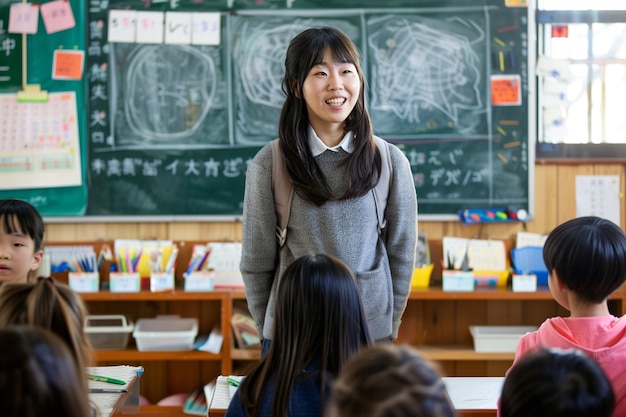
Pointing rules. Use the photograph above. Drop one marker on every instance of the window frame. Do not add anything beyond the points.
(566, 151)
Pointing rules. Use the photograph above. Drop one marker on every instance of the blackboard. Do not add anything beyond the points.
(71, 200)
(171, 128)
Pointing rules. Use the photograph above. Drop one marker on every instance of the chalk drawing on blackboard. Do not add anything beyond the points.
(427, 74)
(169, 95)
(259, 52)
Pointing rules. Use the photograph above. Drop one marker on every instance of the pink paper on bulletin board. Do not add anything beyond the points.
(57, 16)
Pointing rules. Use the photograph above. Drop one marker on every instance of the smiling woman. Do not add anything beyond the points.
(334, 163)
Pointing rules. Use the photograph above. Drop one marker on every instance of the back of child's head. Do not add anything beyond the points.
(556, 383)
(20, 216)
(39, 376)
(318, 312)
(589, 256)
(49, 305)
(389, 380)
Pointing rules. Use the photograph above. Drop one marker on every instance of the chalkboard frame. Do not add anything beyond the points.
(531, 132)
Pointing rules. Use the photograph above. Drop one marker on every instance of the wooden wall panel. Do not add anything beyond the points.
(555, 202)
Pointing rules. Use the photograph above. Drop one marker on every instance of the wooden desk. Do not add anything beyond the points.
(471, 396)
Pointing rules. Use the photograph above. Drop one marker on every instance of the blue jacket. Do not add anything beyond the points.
(305, 400)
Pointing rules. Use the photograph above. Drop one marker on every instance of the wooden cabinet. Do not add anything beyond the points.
(168, 372)
(435, 321)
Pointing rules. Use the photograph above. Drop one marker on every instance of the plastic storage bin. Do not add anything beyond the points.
(165, 333)
(109, 332)
(498, 338)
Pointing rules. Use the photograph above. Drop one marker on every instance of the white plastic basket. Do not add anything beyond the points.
(165, 333)
(110, 332)
(498, 338)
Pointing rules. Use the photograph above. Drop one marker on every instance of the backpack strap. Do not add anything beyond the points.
(283, 188)
(381, 190)
(283, 191)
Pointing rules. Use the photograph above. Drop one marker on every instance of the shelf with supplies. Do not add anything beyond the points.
(437, 323)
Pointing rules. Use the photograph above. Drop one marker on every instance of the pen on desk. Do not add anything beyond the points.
(106, 379)
(232, 382)
(106, 391)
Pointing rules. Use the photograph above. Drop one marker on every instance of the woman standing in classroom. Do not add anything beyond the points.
(334, 163)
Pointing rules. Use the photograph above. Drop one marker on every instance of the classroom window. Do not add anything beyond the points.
(593, 44)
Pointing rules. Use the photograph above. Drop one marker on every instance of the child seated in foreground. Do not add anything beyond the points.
(39, 376)
(21, 240)
(586, 262)
(390, 381)
(556, 383)
(319, 323)
(52, 306)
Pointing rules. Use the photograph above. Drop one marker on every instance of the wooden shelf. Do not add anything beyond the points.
(485, 294)
(462, 353)
(155, 296)
(162, 411)
(136, 355)
(245, 354)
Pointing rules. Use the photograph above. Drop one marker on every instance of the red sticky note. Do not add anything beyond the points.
(67, 64)
(506, 90)
(57, 16)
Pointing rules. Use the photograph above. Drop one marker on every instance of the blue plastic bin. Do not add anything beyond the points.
(529, 260)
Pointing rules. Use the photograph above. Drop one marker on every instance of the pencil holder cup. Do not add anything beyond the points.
(124, 282)
(200, 281)
(421, 277)
(84, 281)
(458, 280)
(161, 281)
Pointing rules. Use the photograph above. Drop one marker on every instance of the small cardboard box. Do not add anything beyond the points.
(458, 280)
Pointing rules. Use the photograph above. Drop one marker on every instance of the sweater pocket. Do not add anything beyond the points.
(376, 291)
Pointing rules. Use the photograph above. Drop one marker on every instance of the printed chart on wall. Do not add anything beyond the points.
(181, 98)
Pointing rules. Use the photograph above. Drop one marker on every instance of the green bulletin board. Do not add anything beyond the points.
(64, 201)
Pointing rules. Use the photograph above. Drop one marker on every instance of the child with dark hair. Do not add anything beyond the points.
(21, 240)
(586, 261)
(319, 323)
(39, 376)
(52, 306)
(556, 383)
(390, 381)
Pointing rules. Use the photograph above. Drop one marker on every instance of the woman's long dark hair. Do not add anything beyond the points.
(318, 319)
(305, 51)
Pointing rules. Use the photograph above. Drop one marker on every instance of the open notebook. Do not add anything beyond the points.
(106, 395)
(223, 392)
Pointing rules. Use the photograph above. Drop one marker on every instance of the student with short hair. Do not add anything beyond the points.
(389, 380)
(52, 306)
(319, 323)
(556, 383)
(21, 240)
(586, 262)
(39, 376)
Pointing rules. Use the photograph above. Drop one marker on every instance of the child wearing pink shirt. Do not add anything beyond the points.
(586, 260)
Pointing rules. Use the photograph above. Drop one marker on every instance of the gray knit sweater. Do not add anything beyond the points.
(347, 229)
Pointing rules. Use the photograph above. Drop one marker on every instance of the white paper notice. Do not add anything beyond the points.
(598, 195)
(150, 27)
(178, 28)
(206, 29)
(122, 25)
